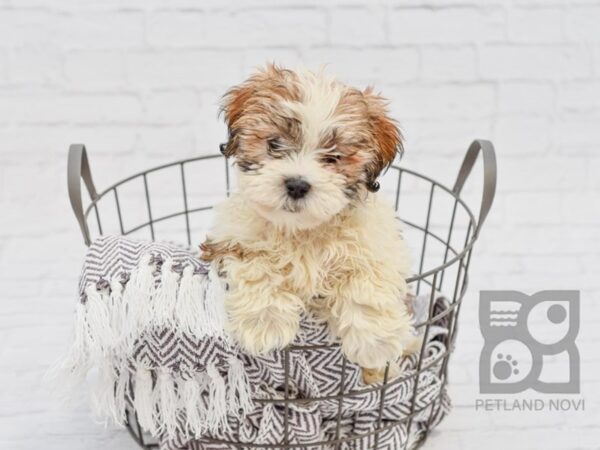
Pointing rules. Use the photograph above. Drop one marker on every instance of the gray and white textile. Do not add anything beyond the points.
(150, 321)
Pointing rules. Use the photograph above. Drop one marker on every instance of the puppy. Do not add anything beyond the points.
(305, 229)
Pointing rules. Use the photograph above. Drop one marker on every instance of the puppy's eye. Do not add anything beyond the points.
(274, 145)
(331, 158)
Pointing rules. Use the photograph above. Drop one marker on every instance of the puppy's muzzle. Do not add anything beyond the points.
(297, 188)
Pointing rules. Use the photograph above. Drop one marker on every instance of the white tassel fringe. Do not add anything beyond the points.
(100, 333)
(214, 304)
(239, 398)
(166, 403)
(217, 400)
(164, 299)
(144, 400)
(103, 395)
(188, 310)
(136, 299)
(116, 313)
(195, 413)
(110, 321)
(121, 393)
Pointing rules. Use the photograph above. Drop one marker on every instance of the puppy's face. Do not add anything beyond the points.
(306, 146)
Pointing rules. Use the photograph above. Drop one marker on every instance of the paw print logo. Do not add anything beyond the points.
(505, 367)
(510, 363)
(520, 332)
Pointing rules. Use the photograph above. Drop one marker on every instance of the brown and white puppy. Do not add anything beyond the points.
(305, 229)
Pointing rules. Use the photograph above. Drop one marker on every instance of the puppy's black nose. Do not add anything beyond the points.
(296, 187)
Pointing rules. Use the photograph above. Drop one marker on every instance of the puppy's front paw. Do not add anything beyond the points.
(261, 328)
(370, 351)
(412, 345)
(260, 336)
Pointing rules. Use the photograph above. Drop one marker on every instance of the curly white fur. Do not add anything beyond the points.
(350, 270)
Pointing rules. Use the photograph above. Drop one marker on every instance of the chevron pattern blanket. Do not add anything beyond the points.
(150, 321)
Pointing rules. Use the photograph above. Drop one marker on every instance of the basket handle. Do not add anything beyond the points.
(78, 168)
(486, 148)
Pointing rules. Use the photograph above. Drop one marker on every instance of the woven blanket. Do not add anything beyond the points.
(150, 323)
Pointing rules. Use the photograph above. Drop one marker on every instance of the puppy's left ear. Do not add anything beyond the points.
(386, 135)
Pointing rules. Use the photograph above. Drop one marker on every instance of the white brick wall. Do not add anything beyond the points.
(139, 80)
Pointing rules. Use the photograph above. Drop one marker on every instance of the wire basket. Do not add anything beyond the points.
(174, 201)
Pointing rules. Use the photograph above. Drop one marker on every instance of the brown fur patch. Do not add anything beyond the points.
(216, 251)
(250, 109)
(385, 132)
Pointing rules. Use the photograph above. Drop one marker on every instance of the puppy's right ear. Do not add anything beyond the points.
(240, 101)
(233, 106)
